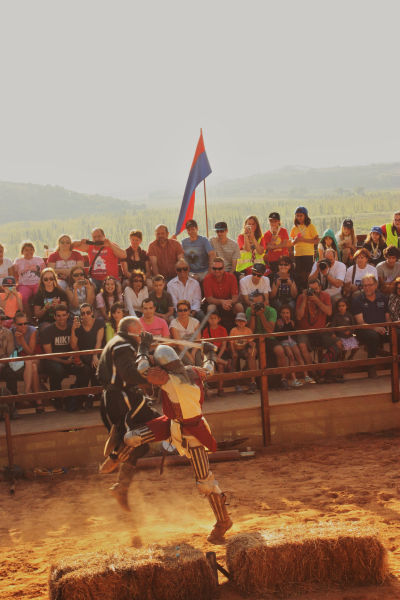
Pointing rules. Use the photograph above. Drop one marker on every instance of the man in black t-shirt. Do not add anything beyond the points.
(371, 306)
(87, 333)
(57, 338)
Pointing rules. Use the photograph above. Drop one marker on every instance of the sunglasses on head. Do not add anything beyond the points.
(217, 268)
(179, 269)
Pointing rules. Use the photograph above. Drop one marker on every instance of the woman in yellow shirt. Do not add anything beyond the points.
(304, 236)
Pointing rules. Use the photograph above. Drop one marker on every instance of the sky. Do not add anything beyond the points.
(109, 96)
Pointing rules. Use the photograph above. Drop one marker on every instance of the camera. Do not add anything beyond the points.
(81, 281)
(310, 292)
(92, 243)
(258, 306)
(323, 265)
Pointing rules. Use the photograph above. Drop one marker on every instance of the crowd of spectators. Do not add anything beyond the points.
(279, 280)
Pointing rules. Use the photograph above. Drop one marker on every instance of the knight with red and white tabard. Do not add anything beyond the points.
(183, 422)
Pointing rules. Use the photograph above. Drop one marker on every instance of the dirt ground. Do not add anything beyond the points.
(350, 480)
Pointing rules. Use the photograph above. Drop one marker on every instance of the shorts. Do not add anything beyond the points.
(316, 340)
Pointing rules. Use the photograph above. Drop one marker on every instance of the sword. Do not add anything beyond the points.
(187, 343)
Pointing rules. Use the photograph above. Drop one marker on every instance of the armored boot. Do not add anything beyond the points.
(120, 489)
(224, 522)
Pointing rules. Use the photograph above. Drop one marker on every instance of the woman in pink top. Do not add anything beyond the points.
(27, 273)
(63, 259)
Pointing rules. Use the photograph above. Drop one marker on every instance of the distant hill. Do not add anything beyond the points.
(301, 181)
(31, 202)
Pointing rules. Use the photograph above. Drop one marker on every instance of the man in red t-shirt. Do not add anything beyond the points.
(275, 241)
(221, 292)
(103, 256)
(164, 253)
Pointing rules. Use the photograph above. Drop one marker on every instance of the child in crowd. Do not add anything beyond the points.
(245, 349)
(304, 236)
(213, 329)
(347, 341)
(328, 241)
(283, 288)
(375, 244)
(162, 299)
(347, 242)
(27, 271)
(285, 322)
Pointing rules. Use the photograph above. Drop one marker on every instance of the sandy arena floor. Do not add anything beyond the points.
(349, 480)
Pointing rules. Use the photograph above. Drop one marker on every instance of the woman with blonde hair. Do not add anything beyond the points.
(63, 259)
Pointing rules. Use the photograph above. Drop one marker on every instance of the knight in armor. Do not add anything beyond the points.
(183, 422)
(124, 404)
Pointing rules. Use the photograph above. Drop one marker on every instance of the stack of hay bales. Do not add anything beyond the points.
(287, 560)
(156, 573)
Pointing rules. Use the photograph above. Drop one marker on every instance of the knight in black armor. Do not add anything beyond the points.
(124, 404)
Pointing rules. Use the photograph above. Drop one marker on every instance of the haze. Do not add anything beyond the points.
(109, 97)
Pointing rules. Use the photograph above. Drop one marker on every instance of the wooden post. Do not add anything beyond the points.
(205, 204)
(395, 364)
(265, 417)
(8, 439)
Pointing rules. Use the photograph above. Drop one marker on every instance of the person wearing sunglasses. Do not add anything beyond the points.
(63, 259)
(255, 281)
(183, 328)
(183, 287)
(135, 292)
(87, 333)
(25, 337)
(10, 299)
(221, 292)
(79, 290)
(46, 299)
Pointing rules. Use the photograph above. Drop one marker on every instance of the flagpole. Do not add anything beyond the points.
(205, 195)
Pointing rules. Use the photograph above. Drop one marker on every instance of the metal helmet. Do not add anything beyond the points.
(164, 355)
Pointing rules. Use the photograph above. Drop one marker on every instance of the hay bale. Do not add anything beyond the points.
(296, 557)
(155, 573)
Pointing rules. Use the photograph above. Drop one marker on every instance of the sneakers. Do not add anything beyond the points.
(252, 388)
(284, 384)
(309, 379)
(295, 383)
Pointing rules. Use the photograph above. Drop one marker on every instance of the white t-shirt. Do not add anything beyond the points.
(7, 264)
(185, 334)
(338, 271)
(360, 273)
(247, 286)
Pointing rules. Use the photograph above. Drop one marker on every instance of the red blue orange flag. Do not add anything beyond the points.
(199, 170)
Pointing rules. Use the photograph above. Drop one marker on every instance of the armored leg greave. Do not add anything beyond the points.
(120, 489)
(138, 437)
(207, 485)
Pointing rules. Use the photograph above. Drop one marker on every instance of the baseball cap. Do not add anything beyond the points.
(375, 229)
(8, 280)
(259, 268)
(301, 209)
(240, 317)
(191, 223)
(275, 215)
(347, 223)
(220, 226)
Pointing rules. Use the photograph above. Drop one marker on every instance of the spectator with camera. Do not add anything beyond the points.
(63, 259)
(355, 273)
(103, 256)
(87, 333)
(79, 290)
(10, 299)
(275, 241)
(330, 273)
(283, 288)
(313, 308)
(57, 338)
(47, 298)
(256, 281)
(183, 287)
(221, 292)
(389, 269)
(164, 253)
(224, 247)
(198, 251)
(371, 306)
